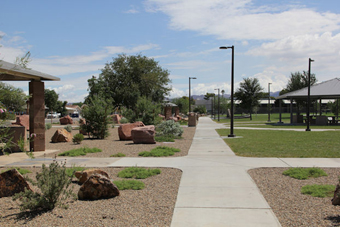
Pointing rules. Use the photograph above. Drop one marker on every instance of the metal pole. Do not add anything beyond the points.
(218, 104)
(214, 108)
(269, 101)
(189, 96)
(308, 97)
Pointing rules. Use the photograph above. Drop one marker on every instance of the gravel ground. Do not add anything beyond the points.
(152, 206)
(112, 145)
(290, 206)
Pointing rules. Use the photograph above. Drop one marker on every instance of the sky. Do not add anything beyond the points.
(73, 40)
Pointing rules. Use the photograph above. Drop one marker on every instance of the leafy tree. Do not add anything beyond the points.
(333, 106)
(183, 104)
(96, 114)
(296, 82)
(51, 98)
(208, 96)
(127, 78)
(61, 107)
(14, 99)
(200, 109)
(249, 93)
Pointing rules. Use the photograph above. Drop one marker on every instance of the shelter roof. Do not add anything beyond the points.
(13, 72)
(329, 89)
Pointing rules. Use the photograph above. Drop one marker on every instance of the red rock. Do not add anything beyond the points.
(97, 187)
(124, 130)
(12, 182)
(61, 135)
(66, 120)
(23, 120)
(85, 175)
(144, 135)
(336, 197)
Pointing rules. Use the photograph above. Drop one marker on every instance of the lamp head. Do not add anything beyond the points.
(192, 78)
(224, 48)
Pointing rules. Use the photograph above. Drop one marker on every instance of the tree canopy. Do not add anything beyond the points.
(51, 98)
(249, 93)
(127, 78)
(14, 99)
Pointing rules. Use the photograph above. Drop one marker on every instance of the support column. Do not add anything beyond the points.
(291, 111)
(37, 115)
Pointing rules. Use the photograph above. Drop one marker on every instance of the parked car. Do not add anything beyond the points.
(75, 114)
(52, 115)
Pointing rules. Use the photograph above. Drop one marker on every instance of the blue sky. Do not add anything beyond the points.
(74, 39)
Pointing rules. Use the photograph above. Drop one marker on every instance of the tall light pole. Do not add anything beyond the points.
(308, 97)
(190, 92)
(218, 103)
(269, 101)
(232, 90)
(214, 108)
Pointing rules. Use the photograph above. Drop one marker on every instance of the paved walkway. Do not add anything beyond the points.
(215, 189)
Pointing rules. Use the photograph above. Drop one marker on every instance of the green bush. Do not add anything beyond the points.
(138, 173)
(169, 127)
(167, 138)
(200, 109)
(68, 128)
(304, 173)
(77, 138)
(48, 126)
(129, 184)
(53, 183)
(316, 190)
(124, 120)
(118, 155)
(80, 151)
(160, 151)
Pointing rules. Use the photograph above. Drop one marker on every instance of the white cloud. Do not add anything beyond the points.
(65, 88)
(229, 19)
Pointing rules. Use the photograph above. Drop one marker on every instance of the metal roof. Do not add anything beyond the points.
(13, 72)
(329, 89)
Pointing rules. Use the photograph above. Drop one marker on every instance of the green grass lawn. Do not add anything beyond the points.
(269, 143)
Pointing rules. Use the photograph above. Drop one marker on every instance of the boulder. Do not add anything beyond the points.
(145, 135)
(85, 175)
(97, 187)
(116, 118)
(175, 119)
(12, 182)
(23, 120)
(66, 120)
(336, 197)
(124, 130)
(61, 135)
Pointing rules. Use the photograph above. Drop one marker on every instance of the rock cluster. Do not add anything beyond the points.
(124, 130)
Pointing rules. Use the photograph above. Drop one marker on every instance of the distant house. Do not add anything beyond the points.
(73, 109)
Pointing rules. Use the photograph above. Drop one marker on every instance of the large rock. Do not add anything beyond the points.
(61, 135)
(23, 120)
(145, 135)
(66, 120)
(336, 197)
(124, 130)
(85, 175)
(12, 182)
(97, 187)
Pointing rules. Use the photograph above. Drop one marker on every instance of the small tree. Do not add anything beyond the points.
(96, 115)
(249, 93)
(200, 109)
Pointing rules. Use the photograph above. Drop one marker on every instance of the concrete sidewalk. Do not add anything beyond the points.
(215, 188)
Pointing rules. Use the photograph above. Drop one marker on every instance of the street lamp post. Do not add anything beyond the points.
(232, 90)
(190, 92)
(214, 108)
(218, 103)
(308, 97)
(269, 101)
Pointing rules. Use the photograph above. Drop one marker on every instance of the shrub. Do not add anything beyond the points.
(160, 151)
(77, 138)
(53, 183)
(124, 120)
(138, 173)
(200, 109)
(129, 184)
(169, 127)
(304, 173)
(80, 151)
(118, 155)
(48, 126)
(96, 115)
(316, 190)
(68, 128)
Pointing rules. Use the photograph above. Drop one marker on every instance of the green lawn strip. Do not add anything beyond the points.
(161, 151)
(269, 143)
(316, 190)
(304, 173)
(287, 126)
(20, 170)
(138, 173)
(70, 171)
(167, 138)
(80, 151)
(118, 155)
(129, 184)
